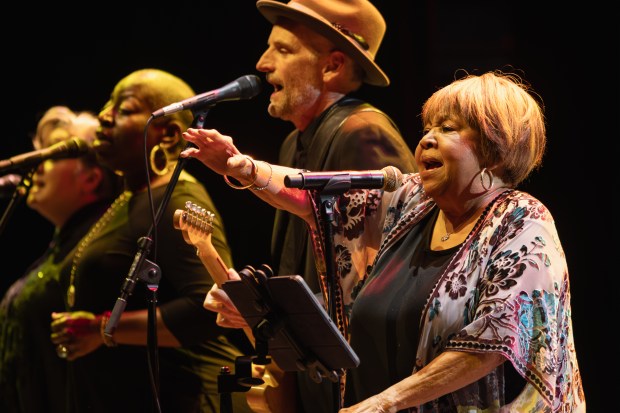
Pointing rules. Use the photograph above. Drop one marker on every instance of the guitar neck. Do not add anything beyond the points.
(219, 272)
(277, 393)
(213, 263)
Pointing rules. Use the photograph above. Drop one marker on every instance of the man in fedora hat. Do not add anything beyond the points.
(319, 52)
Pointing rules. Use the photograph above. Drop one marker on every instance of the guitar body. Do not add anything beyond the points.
(278, 393)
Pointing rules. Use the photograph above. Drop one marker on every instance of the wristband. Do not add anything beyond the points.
(108, 340)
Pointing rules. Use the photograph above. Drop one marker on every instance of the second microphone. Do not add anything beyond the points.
(388, 179)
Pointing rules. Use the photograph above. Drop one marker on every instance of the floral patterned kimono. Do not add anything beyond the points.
(506, 290)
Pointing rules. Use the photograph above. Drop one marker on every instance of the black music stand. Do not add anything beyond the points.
(291, 326)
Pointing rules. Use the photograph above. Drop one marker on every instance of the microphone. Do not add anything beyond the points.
(388, 179)
(72, 148)
(8, 184)
(246, 87)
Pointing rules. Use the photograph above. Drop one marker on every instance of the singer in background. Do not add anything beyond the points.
(112, 374)
(318, 53)
(71, 194)
(457, 283)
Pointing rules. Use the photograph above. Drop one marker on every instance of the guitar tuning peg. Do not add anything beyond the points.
(247, 272)
(267, 270)
(261, 277)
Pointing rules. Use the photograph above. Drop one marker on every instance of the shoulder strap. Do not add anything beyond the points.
(330, 126)
(327, 130)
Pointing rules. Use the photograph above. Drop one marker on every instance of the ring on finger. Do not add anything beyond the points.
(62, 351)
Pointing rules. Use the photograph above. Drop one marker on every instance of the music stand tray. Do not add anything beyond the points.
(286, 316)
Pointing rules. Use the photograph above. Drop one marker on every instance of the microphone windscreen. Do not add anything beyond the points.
(393, 178)
(250, 86)
(80, 145)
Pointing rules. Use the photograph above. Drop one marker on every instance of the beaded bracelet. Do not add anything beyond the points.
(254, 176)
(108, 340)
(260, 188)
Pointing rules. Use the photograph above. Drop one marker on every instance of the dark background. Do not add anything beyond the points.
(54, 54)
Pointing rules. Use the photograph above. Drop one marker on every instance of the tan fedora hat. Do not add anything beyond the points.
(354, 26)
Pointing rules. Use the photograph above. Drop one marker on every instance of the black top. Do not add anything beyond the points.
(32, 377)
(116, 379)
(389, 327)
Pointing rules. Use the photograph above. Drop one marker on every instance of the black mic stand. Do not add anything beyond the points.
(20, 193)
(336, 186)
(151, 274)
(239, 381)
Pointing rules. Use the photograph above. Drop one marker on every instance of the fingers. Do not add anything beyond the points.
(217, 300)
(60, 336)
(74, 334)
(58, 327)
(211, 148)
(209, 142)
(77, 323)
(233, 275)
(231, 320)
(227, 314)
(204, 138)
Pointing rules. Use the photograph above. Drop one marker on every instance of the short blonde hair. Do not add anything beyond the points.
(82, 125)
(61, 117)
(503, 109)
(160, 88)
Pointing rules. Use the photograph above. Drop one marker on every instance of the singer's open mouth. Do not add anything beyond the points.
(101, 144)
(431, 163)
(101, 136)
(101, 139)
(276, 86)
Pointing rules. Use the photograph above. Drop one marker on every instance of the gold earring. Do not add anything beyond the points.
(153, 154)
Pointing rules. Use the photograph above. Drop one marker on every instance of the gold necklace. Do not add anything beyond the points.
(94, 230)
(446, 237)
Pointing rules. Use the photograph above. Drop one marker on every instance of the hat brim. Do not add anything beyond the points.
(272, 10)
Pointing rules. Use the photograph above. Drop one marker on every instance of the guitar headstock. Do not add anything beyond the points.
(195, 222)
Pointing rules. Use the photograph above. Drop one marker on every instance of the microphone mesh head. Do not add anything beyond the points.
(393, 178)
(71, 148)
(81, 146)
(250, 86)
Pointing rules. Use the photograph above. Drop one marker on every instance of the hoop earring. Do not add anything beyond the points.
(484, 172)
(163, 171)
